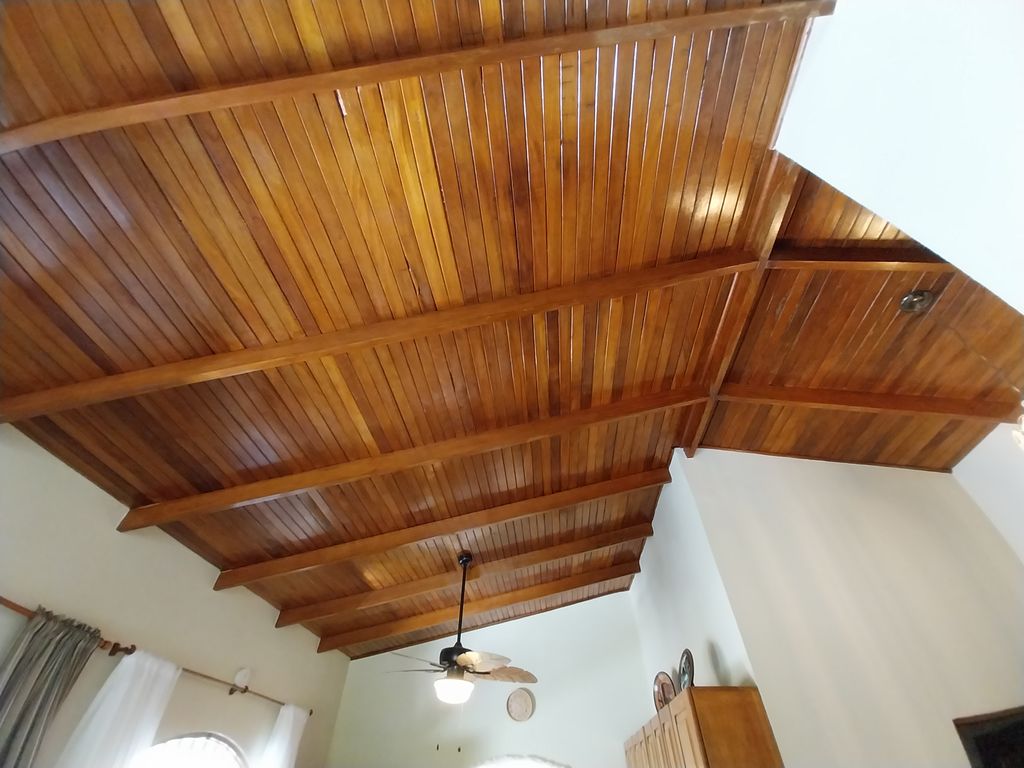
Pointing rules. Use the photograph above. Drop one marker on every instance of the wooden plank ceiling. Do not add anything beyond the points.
(331, 308)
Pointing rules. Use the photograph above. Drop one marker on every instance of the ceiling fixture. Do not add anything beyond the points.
(917, 301)
(463, 667)
(920, 300)
(453, 688)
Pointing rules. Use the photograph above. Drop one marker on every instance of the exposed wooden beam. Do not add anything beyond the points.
(776, 184)
(372, 598)
(227, 364)
(445, 632)
(385, 542)
(870, 259)
(475, 607)
(871, 402)
(457, 447)
(223, 97)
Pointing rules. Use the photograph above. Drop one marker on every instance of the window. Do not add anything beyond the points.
(195, 750)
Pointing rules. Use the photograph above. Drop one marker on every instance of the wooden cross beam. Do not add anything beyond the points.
(227, 364)
(190, 507)
(385, 542)
(363, 600)
(475, 607)
(420, 65)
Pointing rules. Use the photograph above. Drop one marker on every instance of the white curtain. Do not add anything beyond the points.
(122, 720)
(284, 739)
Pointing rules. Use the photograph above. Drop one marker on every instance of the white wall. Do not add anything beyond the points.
(591, 695)
(876, 604)
(679, 599)
(993, 474)
(913, 109)
(59, 548)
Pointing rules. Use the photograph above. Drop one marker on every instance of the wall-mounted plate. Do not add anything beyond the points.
(685, 669)
(664, 689)
(520, 705)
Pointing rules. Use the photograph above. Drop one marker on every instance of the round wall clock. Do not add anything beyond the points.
(686, 670)
(664, 689)
(520, 705)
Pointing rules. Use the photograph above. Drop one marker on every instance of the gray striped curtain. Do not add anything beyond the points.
(39, 670)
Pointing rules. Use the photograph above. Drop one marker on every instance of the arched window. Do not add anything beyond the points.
(195, 750)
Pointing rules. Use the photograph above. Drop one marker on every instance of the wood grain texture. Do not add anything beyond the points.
(532, 609)
(268, 490)
(539, 505)
(707, 727)
(226, 97)
(303, 311)
(228, 364)
(776, 184)
(871, 402)
(902, 258)
(474, 607)
(344, 605)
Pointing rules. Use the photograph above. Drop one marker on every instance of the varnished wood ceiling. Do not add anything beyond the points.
(332, 291)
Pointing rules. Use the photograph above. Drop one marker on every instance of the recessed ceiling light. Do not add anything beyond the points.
(917, 301)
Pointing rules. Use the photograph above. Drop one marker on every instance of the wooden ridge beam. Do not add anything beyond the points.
(385, 542)
(227, 364)
(224, 97)
(372, 598)
(871, 402)
(776, 184)
(245, 494)
(475, 607)
(866, 259)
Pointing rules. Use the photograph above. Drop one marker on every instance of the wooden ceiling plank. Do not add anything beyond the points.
(228, 364)
(871, 402)
(223, 97)
(608, 588)
(372, 598)
(381, 543)
(476, 607)
(760, 229)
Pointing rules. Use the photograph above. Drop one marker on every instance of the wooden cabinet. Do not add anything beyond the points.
(707, 728)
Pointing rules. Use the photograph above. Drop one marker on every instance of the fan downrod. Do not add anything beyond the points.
(449, 655)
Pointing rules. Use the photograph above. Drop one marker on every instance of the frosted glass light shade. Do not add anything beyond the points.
(453, 690)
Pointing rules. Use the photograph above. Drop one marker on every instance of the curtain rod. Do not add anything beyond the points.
(128, 650)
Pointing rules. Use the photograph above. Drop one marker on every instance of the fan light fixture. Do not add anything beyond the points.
(462, 666)
(453, 688)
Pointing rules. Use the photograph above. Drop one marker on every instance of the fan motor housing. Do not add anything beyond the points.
(449, 655)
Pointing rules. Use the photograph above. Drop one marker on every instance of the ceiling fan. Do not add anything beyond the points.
(462, 667)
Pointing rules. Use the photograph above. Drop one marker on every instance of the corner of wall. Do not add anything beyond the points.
(993, 476)
(679, 599)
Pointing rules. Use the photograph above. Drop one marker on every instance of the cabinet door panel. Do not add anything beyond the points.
(642, 756)
(632, 748)
(670, 739)
(652, 737)
(688, 731)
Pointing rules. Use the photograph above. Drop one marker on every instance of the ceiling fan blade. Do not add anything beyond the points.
(508, 675)
(417, 658)
(393, 671)
(481, 661)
